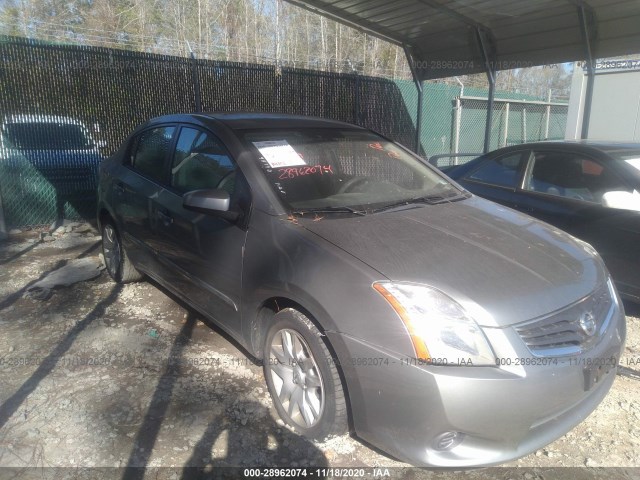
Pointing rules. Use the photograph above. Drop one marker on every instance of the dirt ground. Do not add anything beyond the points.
(106, 376)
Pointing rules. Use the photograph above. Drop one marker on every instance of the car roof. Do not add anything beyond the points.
(247, 120)
(604, 150)
(602, 145)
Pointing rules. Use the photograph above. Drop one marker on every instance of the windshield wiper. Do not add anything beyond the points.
(436, 199)
(428, 199)
(329, 210)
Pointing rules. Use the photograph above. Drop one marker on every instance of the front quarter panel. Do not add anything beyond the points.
(283, 259)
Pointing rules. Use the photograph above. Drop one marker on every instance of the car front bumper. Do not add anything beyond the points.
(503, 412)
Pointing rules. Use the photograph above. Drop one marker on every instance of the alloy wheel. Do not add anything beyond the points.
(296, 378)
(111, 249)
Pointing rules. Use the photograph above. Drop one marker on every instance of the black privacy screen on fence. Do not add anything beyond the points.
(63, 108)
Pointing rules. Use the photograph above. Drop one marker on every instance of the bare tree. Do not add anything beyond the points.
(240, 30)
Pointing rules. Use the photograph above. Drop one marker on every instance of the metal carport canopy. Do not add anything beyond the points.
(445, 37)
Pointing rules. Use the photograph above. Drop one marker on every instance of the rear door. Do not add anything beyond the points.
(204, 251)
(136, 190)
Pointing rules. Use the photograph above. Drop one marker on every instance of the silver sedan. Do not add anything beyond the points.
(380, 296)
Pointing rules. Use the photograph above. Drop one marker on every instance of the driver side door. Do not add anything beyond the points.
(204, 251)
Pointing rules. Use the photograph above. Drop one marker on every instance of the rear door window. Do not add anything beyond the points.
(151, 150)
(502, 171)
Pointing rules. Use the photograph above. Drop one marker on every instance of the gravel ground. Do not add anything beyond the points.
(101, 375)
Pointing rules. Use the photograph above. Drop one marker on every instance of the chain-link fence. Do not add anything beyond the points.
(96, 96)
(515, 120)
(40, 186)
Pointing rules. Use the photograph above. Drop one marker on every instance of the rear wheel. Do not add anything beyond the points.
(302, 378)
(115, 257)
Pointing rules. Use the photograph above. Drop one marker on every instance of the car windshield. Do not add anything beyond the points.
(629, 157)
(46, 136)
(634, 161)
(353, 170)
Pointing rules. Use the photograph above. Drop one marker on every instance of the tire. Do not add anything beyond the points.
(116, 260)
(307, 394)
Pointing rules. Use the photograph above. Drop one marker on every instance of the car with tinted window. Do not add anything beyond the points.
(380, 297)
(588, 189)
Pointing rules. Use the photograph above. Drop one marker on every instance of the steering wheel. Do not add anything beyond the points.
(352, 182)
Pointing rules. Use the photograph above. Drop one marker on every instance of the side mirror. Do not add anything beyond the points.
(622, 200)
(211, 202)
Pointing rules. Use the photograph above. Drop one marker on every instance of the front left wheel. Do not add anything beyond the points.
(303, 381)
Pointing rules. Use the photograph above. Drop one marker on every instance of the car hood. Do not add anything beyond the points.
(502, 266)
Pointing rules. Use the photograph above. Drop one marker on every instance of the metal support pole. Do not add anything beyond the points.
(588, 98)
(524, 125)
(356, 101)
(196, 81)
(196, 84)
(491, 77)
(546, 122)
(505, 131)
(548, 115)
(419, 116)
(416, 80)
(487, 128)
(457, 120)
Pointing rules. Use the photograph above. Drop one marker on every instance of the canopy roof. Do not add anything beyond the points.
(448, 37)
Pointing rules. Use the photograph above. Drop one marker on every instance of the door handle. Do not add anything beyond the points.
(166, 218)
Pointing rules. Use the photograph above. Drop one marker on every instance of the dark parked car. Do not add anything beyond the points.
(590, 190)
(452, 331)
(60, 146)
(59, 150)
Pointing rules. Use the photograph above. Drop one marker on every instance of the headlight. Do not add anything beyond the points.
(439, 327)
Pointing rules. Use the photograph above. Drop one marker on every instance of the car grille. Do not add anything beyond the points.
(572, 330)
